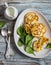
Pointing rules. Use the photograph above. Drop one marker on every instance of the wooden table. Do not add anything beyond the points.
(20, 59)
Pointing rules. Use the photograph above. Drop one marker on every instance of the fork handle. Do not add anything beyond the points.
(10, 51)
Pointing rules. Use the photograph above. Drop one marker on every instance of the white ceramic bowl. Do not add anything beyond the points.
(6, 13)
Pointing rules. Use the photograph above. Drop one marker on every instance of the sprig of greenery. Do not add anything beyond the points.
(2, 23)
(48, 45)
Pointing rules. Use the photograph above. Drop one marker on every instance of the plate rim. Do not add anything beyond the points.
(46, 21)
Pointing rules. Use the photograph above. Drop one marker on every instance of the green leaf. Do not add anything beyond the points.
(29, 50)
(29, 43)
(21, 31)
(22, 38)
(20, 42)
(2, 23)
(28, 38)
(48, 45)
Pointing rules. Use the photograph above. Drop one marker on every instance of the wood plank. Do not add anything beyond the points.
(44, 8)
(48, 1)
(43, 1)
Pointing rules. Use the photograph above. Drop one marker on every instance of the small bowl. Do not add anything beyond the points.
(11, 13)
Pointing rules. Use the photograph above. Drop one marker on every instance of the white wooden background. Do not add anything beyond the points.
(42, 5)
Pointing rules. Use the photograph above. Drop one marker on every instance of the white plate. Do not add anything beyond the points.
(42, 19)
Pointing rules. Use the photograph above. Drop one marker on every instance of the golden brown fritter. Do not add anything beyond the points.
(31, 18)
(38, 44)
(43, 40)
(38, 29)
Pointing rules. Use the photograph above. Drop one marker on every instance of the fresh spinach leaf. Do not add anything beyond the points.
(22, 37)
(48, 45)
(2, 23)
(28, 38)
(20, 42)
(29, 50)
(29, 43)
(21, 31)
